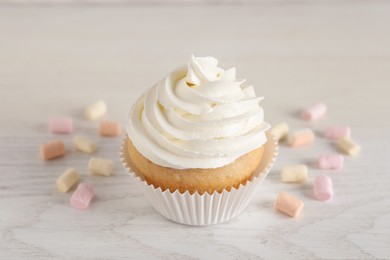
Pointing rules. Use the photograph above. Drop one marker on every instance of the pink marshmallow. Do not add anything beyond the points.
(331, 161)
(323, 188)
(61, 125)
(337, 132)
(314, 111)
(82, 196)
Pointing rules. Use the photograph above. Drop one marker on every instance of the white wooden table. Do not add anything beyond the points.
(54, 60)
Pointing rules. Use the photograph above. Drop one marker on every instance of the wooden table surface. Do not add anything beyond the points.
(55, 60)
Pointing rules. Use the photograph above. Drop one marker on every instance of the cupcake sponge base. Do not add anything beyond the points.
(192, 180)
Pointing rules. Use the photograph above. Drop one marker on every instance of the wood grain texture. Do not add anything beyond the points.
(56, 60)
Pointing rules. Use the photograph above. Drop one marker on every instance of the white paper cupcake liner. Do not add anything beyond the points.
(205, 209)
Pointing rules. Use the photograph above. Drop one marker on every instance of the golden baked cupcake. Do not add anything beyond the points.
(200, 129)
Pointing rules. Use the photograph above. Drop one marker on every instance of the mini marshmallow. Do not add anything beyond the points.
(82, 196)
(52, 150)
(95, 110)
(61, 125)
(348, 146)
(109, 128)
(84, 145)
(100, 166)
(289, 204)
(280, 131)
(314, 111)
(294, 173)
(323, 188)
(331, 161)
(67, 180)
(336, 132)
(301, 138)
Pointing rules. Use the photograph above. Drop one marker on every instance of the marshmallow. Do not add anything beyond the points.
(289, 204)
(336, 132)
(52, 150)
(67, 180)
(100, 166)
(82, 196)
(61, 125)
(348, 146)
(314, 111)
(294, 173)
(323, 188)
(109, 128)
(84, 145)
(331, 161)
(301, 138)
(95, 110)
(280, 131)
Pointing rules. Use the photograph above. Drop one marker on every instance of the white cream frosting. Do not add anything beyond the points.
(199, 116)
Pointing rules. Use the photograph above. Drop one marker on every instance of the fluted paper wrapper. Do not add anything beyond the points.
(198, 210)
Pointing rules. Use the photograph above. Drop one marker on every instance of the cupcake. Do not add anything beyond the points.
(196, 135)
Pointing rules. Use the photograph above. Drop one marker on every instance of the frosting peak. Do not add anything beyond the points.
(199, 116)
(202, 69)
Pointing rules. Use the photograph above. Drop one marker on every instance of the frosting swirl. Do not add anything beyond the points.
(199, 116)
